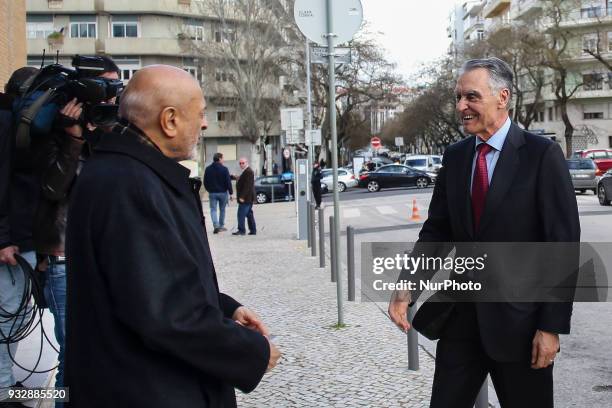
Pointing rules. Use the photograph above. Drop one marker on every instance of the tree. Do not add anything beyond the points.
(246, 56)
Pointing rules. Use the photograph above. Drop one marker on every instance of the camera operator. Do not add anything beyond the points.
(60, 156)
(18, 197)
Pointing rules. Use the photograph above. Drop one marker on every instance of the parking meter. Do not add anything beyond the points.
(301, 197)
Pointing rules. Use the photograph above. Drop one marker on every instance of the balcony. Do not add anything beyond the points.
(494, 8)
(70, 46)
(472, 24)
(475, 8)
(526, 9)
(587, 17)
(165, 7)
(498, 24)
(143, 46)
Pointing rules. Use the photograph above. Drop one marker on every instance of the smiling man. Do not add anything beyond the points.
(500, 184)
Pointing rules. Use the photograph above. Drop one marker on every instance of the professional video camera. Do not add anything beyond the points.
(43, 95)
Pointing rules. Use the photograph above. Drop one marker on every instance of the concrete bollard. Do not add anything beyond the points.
(311, 228)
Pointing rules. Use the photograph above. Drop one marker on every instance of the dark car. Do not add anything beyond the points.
(583, 174)
(394, 175)
(604, 188)
(264, 186)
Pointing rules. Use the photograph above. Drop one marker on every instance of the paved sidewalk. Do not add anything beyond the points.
(364, 364)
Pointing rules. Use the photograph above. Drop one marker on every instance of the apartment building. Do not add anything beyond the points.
(137, 33)
(12, 38)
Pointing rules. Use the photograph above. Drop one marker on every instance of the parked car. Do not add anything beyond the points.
(604, 188)
(583, 175)
(394, 175)
(601, 157)
(264, 186)
(346, 179)
(424, 162)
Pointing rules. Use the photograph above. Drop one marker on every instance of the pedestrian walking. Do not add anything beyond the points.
(315, 181)
(245, 193)
(218, 183)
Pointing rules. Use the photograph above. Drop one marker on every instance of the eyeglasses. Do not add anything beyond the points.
(242, 162)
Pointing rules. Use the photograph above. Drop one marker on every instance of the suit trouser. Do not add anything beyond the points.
(462, 366)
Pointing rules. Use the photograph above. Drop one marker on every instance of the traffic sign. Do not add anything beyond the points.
(318, 55)
(293, 137)
(399, 141)
(311, 19)
(375, 142)
(292, 118)
(313, 137)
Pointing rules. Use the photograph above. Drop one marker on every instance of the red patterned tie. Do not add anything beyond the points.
(480, 183)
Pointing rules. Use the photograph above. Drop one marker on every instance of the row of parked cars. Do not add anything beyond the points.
(592, 170)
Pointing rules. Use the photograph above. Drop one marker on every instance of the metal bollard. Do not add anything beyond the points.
(350, 255)
(332, 248)
(482, 400)
(321, 238)
(413, 343)
(311, 228)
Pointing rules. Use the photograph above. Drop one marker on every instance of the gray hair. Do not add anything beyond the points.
(500, 73)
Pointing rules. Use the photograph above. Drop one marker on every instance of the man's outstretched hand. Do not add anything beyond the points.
(398, 309)
(249, 319)
(545, 347)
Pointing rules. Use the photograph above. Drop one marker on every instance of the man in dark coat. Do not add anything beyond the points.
(502, 184)
(245, 193)
(218, 183)
(146, 324)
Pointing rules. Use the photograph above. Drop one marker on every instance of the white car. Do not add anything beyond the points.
(346, 179)
(425, 162)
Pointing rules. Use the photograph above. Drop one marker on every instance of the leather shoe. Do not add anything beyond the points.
(252, 233)
(216, 231)
(238, 233)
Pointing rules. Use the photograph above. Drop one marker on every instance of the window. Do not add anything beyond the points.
(610, 38)
(229, 151)
(589, 42)
(592, 82)
(593, 115)
(591, 12)
(194, 29)
(83, 27)
(222, 76)
(416, 162)
(610, 141)
(39, 26)
(225, 34)
(193, 70)
(480, 35)
(124, 26)
(226, 115)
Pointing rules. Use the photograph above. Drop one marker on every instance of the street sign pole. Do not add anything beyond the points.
(334, 153)
(309, 117)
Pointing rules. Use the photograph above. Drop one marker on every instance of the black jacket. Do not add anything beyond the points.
(217, 179)
(146, 324)
(19, 187)
(315, 178)
(245, 186)
(531, 199)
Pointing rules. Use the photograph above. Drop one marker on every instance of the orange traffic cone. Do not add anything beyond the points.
(415, 212)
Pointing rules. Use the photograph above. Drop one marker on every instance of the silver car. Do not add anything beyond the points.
(583, 176)
(346, 179)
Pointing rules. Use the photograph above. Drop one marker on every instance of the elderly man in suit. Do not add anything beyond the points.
(147, 325)
(500, 184)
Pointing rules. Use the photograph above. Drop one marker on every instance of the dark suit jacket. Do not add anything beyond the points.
(530, 199)
(146, 324)
(245, 186)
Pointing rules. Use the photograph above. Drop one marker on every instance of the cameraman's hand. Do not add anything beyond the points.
(7, 255)
(73, 110)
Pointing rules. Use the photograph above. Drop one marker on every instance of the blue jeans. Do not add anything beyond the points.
(12, 280)
(245, 210)
(55, 295)
(219, 199)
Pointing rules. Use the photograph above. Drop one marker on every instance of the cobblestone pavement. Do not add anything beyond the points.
(364, 364)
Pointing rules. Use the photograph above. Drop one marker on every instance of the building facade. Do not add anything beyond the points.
(138, 33)
(12, 38)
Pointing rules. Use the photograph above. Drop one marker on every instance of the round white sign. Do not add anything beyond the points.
(311, 18)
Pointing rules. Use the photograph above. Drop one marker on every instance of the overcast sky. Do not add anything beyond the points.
(413, 31)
